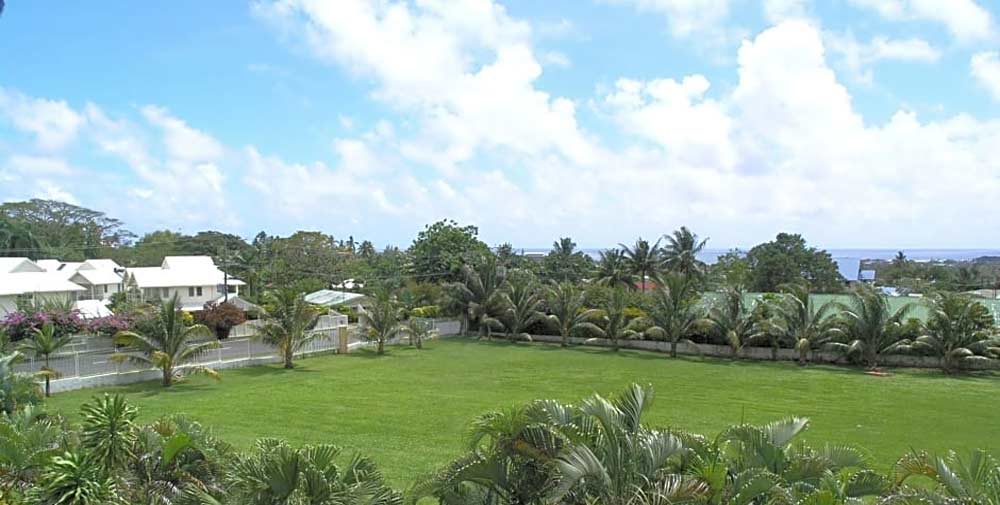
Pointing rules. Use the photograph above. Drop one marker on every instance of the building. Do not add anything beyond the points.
(331, 298)
(195, 280)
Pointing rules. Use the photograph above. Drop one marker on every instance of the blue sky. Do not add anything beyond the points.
(859, 123)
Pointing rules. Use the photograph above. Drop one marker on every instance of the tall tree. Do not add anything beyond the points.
(170, 346)
(788, 260)
(440, 250)
(287, 324)
(18, 240)
(564, 263)
(479, 293)
(680, 254)
(613, 269)
(643, 259)
(67, 231)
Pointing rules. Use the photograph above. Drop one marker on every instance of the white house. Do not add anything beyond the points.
(196, 280)
(21, 278)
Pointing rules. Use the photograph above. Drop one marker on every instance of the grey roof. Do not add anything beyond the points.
(867, 275)
(329, 297)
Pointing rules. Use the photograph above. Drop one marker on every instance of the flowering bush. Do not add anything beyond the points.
(21, 325)
(221, 318)
(108, 326)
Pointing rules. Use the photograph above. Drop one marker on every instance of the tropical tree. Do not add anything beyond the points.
(417, 330)
(956, 480)
(870, 328)
(73, 479)
(564, 263)
(43, 343)
(108, 431)
(382, 318)
(479, 295)
(732, 318)
(522, 304)
(676, 315)
(17, 239)
(613, 269)
(680, 254)
(566, 311)
(288, 323)
(169, 345)
(29, 438)
(16, 389)
(960, 331)
(801, 322)
(643, 259)
(615, 325)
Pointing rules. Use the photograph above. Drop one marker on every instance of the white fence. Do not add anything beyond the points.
(88, 361)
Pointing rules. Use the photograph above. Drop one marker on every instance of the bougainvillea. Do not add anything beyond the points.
(21, 325)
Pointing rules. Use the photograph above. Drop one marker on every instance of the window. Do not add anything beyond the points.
(164, 293)
(199, 290)
(105, 289)
(190, 291)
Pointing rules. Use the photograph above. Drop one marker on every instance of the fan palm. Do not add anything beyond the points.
(170, 346)
(643, 259)
(801, 322)
(959, 481)
(522, 306)
(733, 319)
(286, 327)
(480, 292)
(383, 318)
(870, 327)
(43, 343)
(613, 269)
(565, 306)
(680, 254)
(675, 314)
(960, 331)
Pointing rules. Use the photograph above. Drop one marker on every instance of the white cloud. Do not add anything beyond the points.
(556, 59)
(686, 17)
(967, 20)
(859, 57)
(53, 122)
(986, 70)
(777, 11)
(49, 190)
(182, 141)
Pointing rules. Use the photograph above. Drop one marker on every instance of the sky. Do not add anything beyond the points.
(857, 123)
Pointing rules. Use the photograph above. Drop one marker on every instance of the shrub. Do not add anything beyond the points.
(108, 326)
(221, 318)
(20, 325)
(426, 311)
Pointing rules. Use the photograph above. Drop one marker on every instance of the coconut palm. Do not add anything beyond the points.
(675, 314)
(286, 327)
(798, 320)
(870, 328)
(960, 331)
(733, 319)
(680, 254)
(643, 259)
(418, 330)
(522, 304)
(614, 325)
(566, 311)
(44, 342)
(170, 346)
(479, 294)
(382, 318)
(613, 269)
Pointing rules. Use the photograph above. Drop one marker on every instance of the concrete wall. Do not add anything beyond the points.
(118, 379)
(760, 353)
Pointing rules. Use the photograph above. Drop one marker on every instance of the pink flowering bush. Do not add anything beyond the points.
(21, 325)
(108, 326)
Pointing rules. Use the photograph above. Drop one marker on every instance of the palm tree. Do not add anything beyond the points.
(479, 294)
(170, 346)
(614, 324)
(28, 440)
(286, 328)
(16, 389)
(417, 331)
(523, 306)
(900, 259)
(800, 321)
(956, 480)
(278, 474)
(643, 259)
(870, 327)
(44, 342)
(681, 253)
(382, 318)
(675, 313)
(565, 306)
(960, 331)
(613, 269)
(733, 319)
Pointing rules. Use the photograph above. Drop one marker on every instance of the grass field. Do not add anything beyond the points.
(409, 409)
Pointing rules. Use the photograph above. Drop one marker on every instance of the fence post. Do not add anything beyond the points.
(219, 350)
(249, 349)
(76, 364)
(342, 340)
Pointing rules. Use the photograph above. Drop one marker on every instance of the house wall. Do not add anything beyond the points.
(8, 304)
(97, 292)
(208, 294)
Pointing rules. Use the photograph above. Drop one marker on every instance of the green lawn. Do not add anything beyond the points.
(409, 409)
